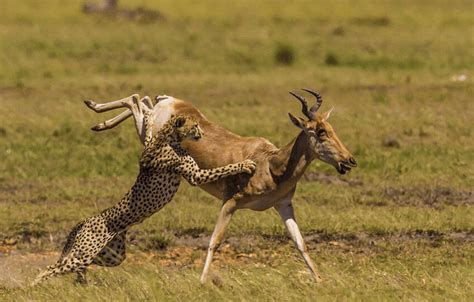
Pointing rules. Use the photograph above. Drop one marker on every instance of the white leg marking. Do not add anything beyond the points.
(285, 209)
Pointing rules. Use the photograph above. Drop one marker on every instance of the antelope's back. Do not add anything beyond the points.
(218, 147)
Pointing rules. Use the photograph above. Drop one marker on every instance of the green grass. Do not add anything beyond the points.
(386, 68)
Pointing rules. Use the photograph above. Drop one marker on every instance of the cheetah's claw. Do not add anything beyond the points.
(248, 166)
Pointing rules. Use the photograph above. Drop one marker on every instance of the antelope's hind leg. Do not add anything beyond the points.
(135, 108)
(103, 107)
(138, 107)
(111, 123)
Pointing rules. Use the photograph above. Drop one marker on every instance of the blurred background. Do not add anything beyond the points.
(398, 73)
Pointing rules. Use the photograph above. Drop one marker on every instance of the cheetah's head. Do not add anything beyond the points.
(186, 127)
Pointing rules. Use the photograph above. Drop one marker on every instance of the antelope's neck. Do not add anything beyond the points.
(290, 163)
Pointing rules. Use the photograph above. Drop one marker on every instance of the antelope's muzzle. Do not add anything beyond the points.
(345, 166)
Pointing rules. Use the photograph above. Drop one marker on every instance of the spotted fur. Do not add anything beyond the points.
(100, 239)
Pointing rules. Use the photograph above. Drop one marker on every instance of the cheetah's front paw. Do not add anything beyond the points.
(248, 166)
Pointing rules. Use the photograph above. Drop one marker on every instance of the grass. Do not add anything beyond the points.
(388, 71)
(391, 275)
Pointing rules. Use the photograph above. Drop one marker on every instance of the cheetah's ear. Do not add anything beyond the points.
(180, 120)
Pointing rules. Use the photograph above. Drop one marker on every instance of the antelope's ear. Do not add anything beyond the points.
(327, 114)
(180, 120)
(297, 121)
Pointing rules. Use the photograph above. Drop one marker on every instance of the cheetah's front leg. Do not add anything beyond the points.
(196, 176)
(148, 125)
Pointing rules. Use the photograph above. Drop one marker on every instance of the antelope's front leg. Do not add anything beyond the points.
(225, 215)
(285, 209)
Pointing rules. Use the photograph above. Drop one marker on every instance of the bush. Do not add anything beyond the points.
(331, 59)
(284, 54)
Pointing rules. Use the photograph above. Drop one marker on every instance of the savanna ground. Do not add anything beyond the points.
(399, 75)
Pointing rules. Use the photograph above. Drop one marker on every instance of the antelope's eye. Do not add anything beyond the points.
(321, 133)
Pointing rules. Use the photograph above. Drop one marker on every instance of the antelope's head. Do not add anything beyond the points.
(323, 140)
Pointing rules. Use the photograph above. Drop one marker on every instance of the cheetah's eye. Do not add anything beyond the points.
(179, 122)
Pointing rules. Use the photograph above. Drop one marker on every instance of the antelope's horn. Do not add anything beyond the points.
(319, 100)
(304, 105)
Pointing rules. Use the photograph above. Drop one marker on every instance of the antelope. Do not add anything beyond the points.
(278, 171)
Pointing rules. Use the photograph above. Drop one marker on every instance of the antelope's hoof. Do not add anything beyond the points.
(98, 127)
(217, 280)
(91, 104)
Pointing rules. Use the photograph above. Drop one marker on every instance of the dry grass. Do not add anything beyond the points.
(392, 72)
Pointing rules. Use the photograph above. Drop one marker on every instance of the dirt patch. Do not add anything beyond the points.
(145, 242)
(366, 239)
(25, 191)
(21, 191)
(255, 244)
(18, 90)
(109, 8)
(17, 269)
(426, 196)
(270, 249)
(372, 21)
(10, 189)
(391, 142)
(327, 178)
(193, 232)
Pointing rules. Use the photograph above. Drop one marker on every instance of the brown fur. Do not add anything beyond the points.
(100, 239)
(278, 170)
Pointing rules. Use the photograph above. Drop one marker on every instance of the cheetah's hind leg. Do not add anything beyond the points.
(66, 265)
(114, 253)
(81, 277)
(43, 276)
(52, 270)
(80, 250)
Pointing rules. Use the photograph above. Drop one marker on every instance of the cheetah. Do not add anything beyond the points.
(100, 239)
